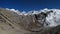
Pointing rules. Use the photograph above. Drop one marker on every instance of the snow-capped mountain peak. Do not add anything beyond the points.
(52, 18)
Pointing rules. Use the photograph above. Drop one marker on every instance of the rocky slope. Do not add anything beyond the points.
(31, 23)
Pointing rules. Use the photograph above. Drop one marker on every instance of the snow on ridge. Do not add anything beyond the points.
(31, 12)
(26, 13)
(17, 11)
(53, 18)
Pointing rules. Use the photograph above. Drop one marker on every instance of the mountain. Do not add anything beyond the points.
(46, 21)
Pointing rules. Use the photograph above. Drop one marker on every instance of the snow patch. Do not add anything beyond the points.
(53, 18)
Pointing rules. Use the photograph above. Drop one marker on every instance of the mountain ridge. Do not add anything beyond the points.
(29, 23)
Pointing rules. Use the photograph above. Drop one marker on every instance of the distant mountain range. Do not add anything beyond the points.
(46, 21)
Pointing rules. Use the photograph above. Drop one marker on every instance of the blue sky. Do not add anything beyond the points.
(28, 5)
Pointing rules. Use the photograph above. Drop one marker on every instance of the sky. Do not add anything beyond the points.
(28, 5)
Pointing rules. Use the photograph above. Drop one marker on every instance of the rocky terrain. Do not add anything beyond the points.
(12, 23)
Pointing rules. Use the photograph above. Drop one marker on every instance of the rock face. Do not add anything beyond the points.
(12, 23)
